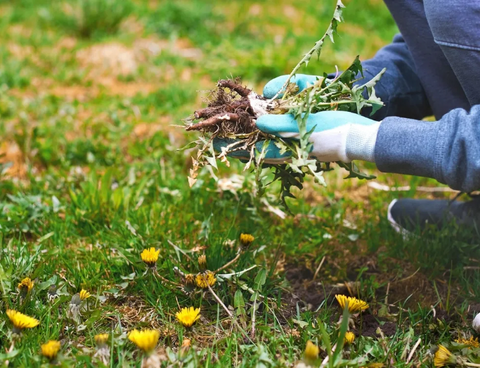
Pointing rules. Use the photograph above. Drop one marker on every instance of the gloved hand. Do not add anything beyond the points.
(337, 135)
(302, 81)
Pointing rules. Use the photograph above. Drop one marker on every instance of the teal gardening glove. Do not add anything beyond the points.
(337, 135)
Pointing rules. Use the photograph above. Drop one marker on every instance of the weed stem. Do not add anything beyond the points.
(229, 263)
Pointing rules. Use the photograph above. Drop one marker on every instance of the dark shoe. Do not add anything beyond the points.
(407, 215)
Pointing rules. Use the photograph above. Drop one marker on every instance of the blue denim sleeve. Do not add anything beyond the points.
(446, 150)
(400, 88)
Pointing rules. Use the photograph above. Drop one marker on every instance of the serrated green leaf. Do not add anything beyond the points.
(238, 300)
(260, 279)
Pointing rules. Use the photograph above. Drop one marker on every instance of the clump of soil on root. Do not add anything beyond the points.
(232, 109)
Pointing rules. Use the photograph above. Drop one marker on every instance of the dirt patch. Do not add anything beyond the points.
(10, 153)
(130, 89)
(369, 326)
(20, 51)
(474, 308)
(400, 287)
(146, 130)
(306, 292)
(115, 59)
(66, 43)
(71, 93)
(112, 58)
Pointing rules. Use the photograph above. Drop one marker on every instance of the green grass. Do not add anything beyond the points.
(88, 18)
(92, 174)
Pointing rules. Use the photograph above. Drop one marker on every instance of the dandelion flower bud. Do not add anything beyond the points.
(246, 240)
(189, 279)
(311, 351)
(202, 262)
(84, 294)
(349, 337)
(75, 301)
(184, 348)
(101, 339)
(52, 293)
(103, 351)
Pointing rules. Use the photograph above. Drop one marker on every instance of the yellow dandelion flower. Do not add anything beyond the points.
(205, 279)
(21, 321)
(150, 256)
(26, 284)
(202, 262)
(101, 339)
(311, 351)
(354, 305)
(188, 316)
(51, 349)
(349, 337)
(246, 239)
(84, 294)
(145, 340)
(443, 357)
(471, 343)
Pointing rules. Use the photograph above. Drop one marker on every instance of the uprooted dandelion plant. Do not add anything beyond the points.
(233, 109)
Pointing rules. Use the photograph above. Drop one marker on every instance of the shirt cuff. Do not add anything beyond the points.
(361, 141)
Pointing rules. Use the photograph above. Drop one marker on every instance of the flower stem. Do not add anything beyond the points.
(155, 273)
(317, 47)
(219, 301)
(229, 263)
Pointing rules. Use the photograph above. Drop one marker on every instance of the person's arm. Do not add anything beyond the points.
(447, 150)
(399, 88)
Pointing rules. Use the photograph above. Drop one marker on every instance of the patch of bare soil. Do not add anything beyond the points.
(104, 65)
(400, 287)
(308, 293)
(11, 153)
(146, 130)
(70, 93)
(115, 59)
(369, 326)
(111, 58)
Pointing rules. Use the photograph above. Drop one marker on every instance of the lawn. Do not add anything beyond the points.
(93, 94)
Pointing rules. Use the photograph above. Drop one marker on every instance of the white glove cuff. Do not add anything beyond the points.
(361, 141)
